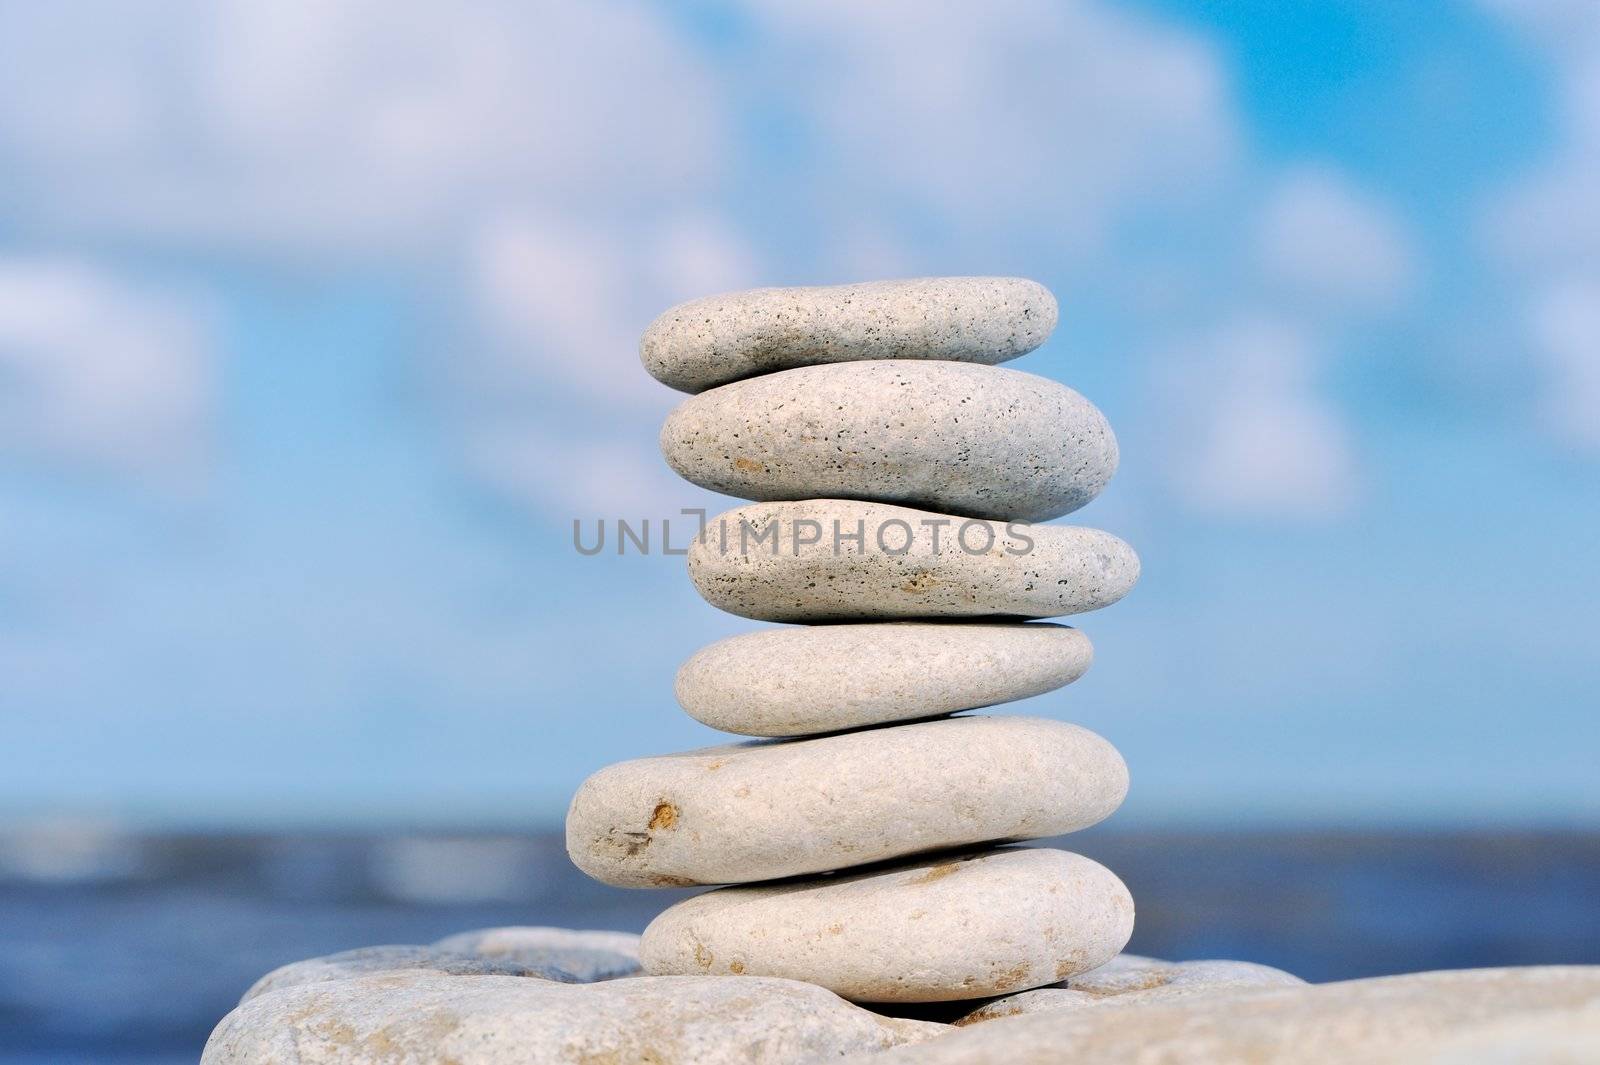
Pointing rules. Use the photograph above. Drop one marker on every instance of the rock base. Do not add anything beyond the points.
(534, 995)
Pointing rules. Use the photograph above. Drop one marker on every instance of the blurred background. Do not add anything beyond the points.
(318, 327)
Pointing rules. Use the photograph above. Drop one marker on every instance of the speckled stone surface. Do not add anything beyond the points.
(1034, 571)
(717, 339)
(365, 961)
(587, 955)
(978, 441)
(429, 1019)
(932, 931)
(1130, 980)
(768, 809)
(1421, 1017)
(823, 678)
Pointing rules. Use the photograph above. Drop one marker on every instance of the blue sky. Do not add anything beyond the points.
(318, 327)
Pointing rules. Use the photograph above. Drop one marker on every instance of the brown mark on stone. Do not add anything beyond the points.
(1071, 965)
(938, 872)
(663, 880)
(1146, 981)
(919, 582)
(712, 767)
(748, 466)
(631, 843)
(702, 956)
(736, 967)
(665, 815)
(1011, 978)
(836, 929)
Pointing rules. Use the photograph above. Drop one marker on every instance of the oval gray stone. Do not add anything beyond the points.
(711, 341)
(932, 931)
(365, 961)
(1129, 980)
(1418, 1017)
(1130, 973)
(769, 809)
(825, 678)
(979, 441)
(760, 561)
(429, 1019)
(588, 956)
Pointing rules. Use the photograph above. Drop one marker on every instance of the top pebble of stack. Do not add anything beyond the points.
(709, 342)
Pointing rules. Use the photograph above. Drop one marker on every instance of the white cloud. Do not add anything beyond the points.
(1565, 325)
(99, 374)
(566, 170)
(1319, 237)
(564, 303)
(1544, 229)
(578, 474)
(553, 294)
(1054, 117)
(566, 299)
(410, 134)
(340, 127)
(1247, 431)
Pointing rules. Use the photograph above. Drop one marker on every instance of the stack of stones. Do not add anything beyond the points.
(897, 472)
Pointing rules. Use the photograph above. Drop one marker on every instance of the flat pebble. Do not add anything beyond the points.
(979, 441)
(1129, 973)
(824, 678)
(364, 961)
(846, 560)
(931, 931)
(1419, 1017)
(1129, 980)
(429, 1019)
(768, 809)
(717, 339)
(587, 955)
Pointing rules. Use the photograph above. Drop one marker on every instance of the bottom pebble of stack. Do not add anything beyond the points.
(940, 929)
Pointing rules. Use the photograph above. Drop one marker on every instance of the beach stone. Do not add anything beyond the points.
(1129, 973)
(1434, 1016)
(768, 809)
(935, 930)
(978, 441)
(760, 561)
(824, 678)
(429, 1019)
(711, 341)
(1568, 1036)
(364, 961)
(1129, 979)
(588, 956)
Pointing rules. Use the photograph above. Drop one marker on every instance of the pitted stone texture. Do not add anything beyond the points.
(365, 961)
(1389, 1020)
(428, 1019)
(824, 678)
(1129, 980)
(930, 931)
(588, 956)
(757, 561)
(717, 339)
(769, 809)
(979, 441)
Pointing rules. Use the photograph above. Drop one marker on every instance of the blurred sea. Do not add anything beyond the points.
(125, 948)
